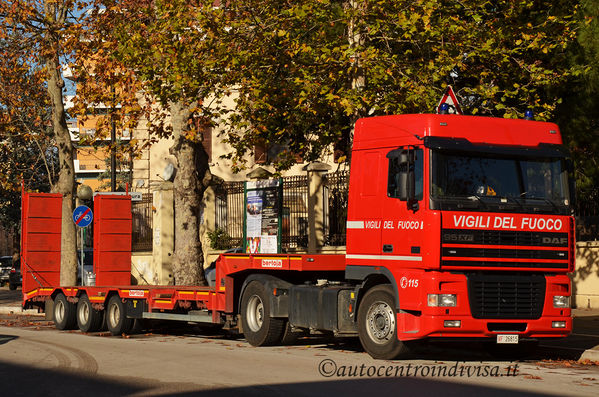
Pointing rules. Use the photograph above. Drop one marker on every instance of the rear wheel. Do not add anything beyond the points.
(116, 319)
(88, 318)
(259, 328)
(64, 313)
(377, 326)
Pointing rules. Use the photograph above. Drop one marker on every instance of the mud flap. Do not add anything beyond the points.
(135, 308)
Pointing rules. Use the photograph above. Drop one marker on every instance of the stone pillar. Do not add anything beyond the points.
(315, 173)
(163, 230)
(207, 223)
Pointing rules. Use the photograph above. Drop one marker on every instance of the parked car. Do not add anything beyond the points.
(5, 266)
(210, 271)
(88, 264)
(15, 278)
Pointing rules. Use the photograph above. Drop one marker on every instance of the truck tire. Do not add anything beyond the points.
(377, 324)
(88, 318)
(259, 328)
(116, 317)
(64, 313)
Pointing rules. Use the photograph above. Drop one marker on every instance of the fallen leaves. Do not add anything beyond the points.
(532, 377)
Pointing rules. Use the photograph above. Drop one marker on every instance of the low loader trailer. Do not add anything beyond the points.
(458, 228)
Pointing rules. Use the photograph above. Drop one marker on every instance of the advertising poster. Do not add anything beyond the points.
(254, 214)
(263, 211)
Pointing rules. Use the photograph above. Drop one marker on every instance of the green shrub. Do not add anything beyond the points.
(219, 239)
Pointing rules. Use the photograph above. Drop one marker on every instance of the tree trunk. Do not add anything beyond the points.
(66, 176)
(192, 178)
(356, 41)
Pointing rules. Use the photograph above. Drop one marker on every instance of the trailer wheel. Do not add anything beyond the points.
(64, 313)
(88, 318)
(259, 328)
(116, 318)
(377, 327)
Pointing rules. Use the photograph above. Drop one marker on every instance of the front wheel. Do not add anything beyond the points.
(377, 324)
(259, 328)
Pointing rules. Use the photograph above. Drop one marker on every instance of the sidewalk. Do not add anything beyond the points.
(10, 302)
(582, 344)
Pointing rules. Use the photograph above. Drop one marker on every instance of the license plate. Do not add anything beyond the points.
(507, 339)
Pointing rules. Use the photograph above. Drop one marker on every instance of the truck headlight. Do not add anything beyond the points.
(442, 300)
(561, 302)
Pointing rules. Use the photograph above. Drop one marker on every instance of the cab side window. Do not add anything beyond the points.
(395, 171)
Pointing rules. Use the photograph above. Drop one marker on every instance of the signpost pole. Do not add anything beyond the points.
(82, 216)
(81, 258)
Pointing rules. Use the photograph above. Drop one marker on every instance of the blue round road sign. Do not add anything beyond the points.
(82, 216)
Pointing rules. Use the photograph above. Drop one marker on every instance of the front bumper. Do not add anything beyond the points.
(421, 321)
(433, 327)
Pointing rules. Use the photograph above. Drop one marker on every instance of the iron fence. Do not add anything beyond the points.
(295, 212)
(587, 218)
(142, 214)
(229, 214)
(336, 188)
(230, 207)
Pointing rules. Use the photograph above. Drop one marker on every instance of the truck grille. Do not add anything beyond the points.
(505, 237)
(509, 296)
(504, 249)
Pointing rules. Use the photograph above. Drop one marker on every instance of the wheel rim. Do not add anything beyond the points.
(255, 313)
(59, 310)
(84, 313)
(114, 315)
(380, 322)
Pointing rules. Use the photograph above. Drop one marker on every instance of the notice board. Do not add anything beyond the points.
(262, 216)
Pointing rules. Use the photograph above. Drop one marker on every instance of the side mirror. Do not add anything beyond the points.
(403, 160)
(411, 201)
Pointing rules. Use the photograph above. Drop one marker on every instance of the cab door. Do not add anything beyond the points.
(365, 210)
(403, 223)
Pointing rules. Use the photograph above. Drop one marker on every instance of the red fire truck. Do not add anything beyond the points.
(458, 227)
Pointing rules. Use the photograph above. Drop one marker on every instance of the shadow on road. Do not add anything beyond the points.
(43, 382)
(32, 381)
(365, 387)
(7, 338)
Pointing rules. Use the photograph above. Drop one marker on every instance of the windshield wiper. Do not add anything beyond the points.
(479, 198)
(515, 201)
(545, 199)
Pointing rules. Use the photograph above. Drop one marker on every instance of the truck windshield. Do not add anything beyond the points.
(490, 182)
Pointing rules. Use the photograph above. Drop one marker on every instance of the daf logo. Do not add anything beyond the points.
(555, 240)
(459, 237)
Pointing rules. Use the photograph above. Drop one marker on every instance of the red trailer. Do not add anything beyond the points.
(458, 227)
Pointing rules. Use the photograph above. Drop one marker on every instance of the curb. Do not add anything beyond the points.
(590, 355)
(19, 310)
(573, 353)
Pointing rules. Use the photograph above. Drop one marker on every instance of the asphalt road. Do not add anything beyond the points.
(35, 358)
(10, 297)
